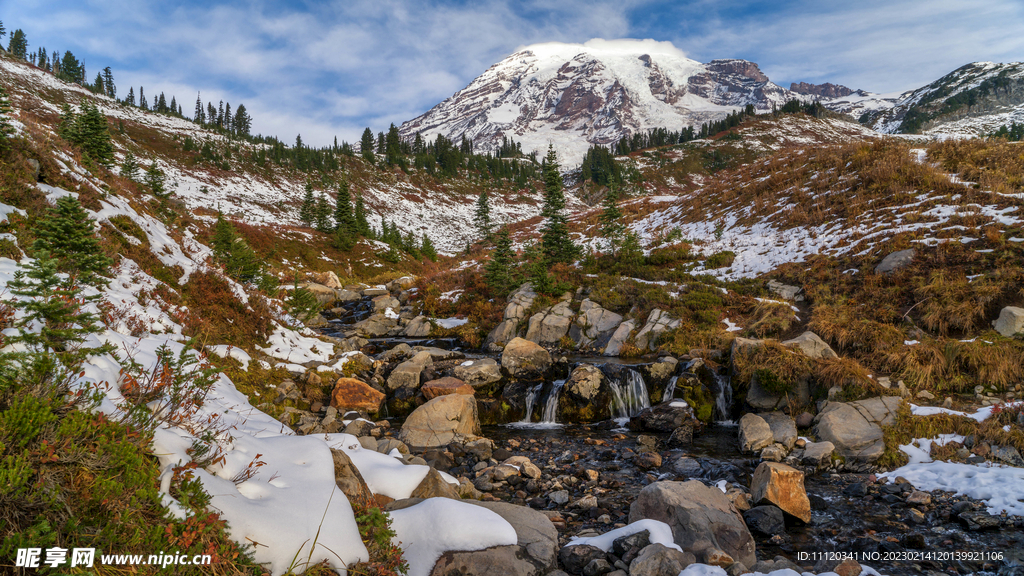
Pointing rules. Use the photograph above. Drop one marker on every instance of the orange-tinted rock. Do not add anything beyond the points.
(445, 386)
(353, 394)
(782, 486)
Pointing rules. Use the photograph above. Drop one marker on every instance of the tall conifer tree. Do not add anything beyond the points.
(556, 245)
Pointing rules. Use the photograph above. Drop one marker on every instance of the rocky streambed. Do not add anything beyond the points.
(595, 446)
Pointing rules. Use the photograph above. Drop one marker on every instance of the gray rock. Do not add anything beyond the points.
(767, 520)
(418, 327)
(534, 554)
(405, 375)
(978, 520)
(375, 326)
(811, 345)
(619, 338)
(502, 334)
(594, 325)
(855, 428)
(374, 291)
(785, 291)
(575, 558)
(697, 514)
(1010, 321)
(441, 421)
(687, 467)
(754, 433)
(783, 428)
(345, 295)
(895, 261)
(522, 357)
(559, 497)
(597, 567)
(817, 454)
(760, 399)
(1007, 454)
(479, 372)
(548, 326)
(658, 559)
(399, 352)
(664, 417)
(585, 382)
(658, 322)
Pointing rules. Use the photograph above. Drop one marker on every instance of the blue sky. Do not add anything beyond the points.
(331, 68)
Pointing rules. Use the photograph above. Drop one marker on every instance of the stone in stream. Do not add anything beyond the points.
(523, 358)
(375, 326)
(817, 454)
(697, 514)
(405, 375)
(658, 559)
(855, 428)
(444, 386)
(664, 417)
(782, 486)
(353, 394)
(575, 558)
(783, 428)
(478, 373)
(754, 433)
(766, 520)
(978, 520)
(441, 421)
(418, 327)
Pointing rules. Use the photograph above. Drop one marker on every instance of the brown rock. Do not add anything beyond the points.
(782, 486)
(446, 385)
(348, 478)
(353, 394)
(435, 486)
(848, 567)
(648, 460)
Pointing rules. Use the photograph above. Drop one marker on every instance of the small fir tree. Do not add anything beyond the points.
(482, 216)
(611, 220)
(322, 215)
(6, 130)
(362, 225)
(306, 210)
(129, 166)
(67, 235)
(155, 181)
(344, 220)
(427, 249)
(501, 272)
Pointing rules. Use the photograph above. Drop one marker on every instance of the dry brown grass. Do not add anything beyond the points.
(951, 302)
(783, 363)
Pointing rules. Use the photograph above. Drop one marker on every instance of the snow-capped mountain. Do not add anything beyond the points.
(576, 95)
(972, 100)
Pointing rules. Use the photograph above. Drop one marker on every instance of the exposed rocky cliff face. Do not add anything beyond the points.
(826, 90)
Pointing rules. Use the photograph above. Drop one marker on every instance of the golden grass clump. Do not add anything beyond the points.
(954, 303)
(776, 366)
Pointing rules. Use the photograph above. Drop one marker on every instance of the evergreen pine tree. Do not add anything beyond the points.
(306, 210)
(52, 325)
(108, 83)
(366, 145)
(223, 238)
(200, 115)
(323, 214)
(130, 99)
(344, 220)
(129, 166)
(93, 136)
(500, 272)
(362, 225)
(67, 234)
(155, 180)
(427, 248)
(142, 99)
(18, 45)
(6, 130)
(68, 126)
(611, 220)
(482, 216)
(556, 245)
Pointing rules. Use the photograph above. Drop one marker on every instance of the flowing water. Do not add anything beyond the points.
(670, 389)
(629, 398)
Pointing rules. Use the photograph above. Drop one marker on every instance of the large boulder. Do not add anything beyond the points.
(1010, 321)
(584, 383)
(619, 337)
(324, 295)
(594, 325)
(895, 261)
(348, 479)
(478, 373)
(534, 554)
(441, 421)
(550, 325)
(353, 394)
(515, 312)
(698, 515)
(522, 357)
(434, 485)
(785, 291)
(855, 428)
(811, 345)
(783, 486)
(658, 321)
(754, 433)
(328, 279)
(761, 399)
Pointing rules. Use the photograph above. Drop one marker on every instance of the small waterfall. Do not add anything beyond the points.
(549, 416)
(670, 389)
(531, 399)
(631, 398)
(723, 399)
